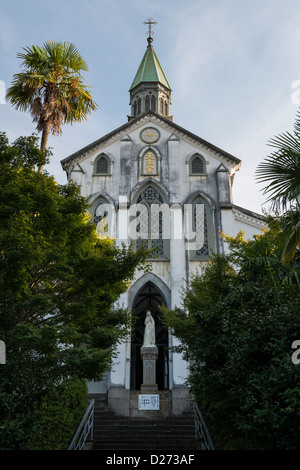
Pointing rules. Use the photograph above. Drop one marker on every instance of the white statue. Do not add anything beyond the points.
(149, 333)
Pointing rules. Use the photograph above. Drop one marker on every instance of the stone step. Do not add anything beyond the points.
(147, 422)
(104, 432)
(164, 449)
(152, 442)
(145, 441)
(121, 427)
(115, 432)
(109, 435)
(133, 446)
(130, 428)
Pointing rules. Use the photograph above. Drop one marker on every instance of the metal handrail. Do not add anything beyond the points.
(201, 431)
(84, 429)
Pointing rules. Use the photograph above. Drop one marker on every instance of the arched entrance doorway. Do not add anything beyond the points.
(149, 297)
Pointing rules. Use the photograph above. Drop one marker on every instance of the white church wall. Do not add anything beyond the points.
(196, 268)
(98, 387)
(174, 151)
(177, 257)
(249, 230)
(234, 221)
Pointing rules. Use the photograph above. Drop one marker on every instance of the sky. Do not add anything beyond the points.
(233, 66)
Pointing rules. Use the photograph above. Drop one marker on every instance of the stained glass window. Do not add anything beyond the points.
(102, 165)
(197, 166)
(150, 196)
(101, 218)
(202, 227)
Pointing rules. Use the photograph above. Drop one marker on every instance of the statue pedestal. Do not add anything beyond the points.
(149, 355)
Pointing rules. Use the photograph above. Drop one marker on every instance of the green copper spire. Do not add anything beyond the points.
(150, 90)
(150, 69)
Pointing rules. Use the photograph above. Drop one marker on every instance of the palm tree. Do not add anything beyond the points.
(281, 170)
(291, 235)
(51, 87)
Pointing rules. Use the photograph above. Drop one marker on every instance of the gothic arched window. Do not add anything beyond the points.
(166, 108)
(153, 103)
(102, 165)
(102, 215)
(200, 233)
(139, 105)
(152, 223)
(161, 106)
(134, 108)
(197, 165)
(147, 104)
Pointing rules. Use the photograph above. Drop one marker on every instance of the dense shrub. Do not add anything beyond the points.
(59, 415)
(237, 330)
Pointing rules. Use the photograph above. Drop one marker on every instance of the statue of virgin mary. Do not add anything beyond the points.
(149, 333)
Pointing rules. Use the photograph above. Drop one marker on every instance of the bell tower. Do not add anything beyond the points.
(150, 89)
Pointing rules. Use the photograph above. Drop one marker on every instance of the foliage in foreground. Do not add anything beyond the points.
(59, 285)
(59, 415)
(237, 329)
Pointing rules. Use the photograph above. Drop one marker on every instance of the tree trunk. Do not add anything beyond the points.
(44, 140)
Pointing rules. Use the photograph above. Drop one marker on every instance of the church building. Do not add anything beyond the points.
(152, 181)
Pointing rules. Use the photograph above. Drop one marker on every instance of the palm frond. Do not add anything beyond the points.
(281, 170)
(51, 87)
(291, 235)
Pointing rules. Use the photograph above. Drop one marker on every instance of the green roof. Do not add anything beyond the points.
(150, 70)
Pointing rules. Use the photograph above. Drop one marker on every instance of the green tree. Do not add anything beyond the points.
(51, 87)
(59, 286)
(59, 415)
(236, 328)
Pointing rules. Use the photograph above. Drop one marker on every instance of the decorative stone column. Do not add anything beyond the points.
(149, 355)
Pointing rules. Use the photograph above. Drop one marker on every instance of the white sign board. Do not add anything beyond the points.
(148, 402)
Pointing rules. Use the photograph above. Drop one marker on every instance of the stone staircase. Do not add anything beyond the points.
(115, 432)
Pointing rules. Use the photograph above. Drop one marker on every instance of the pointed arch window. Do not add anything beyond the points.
(153, 103)
(147, 103)
(152, 223)
(102, 165)
(102, 215)
(134, 108)
(201, 236)
(197, 165)
(161, 106)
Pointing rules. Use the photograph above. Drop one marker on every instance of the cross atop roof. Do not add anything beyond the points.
(150, 22)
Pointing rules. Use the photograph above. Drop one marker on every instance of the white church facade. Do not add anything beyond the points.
(153, 181)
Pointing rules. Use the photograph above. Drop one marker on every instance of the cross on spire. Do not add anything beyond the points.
(150, 22)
